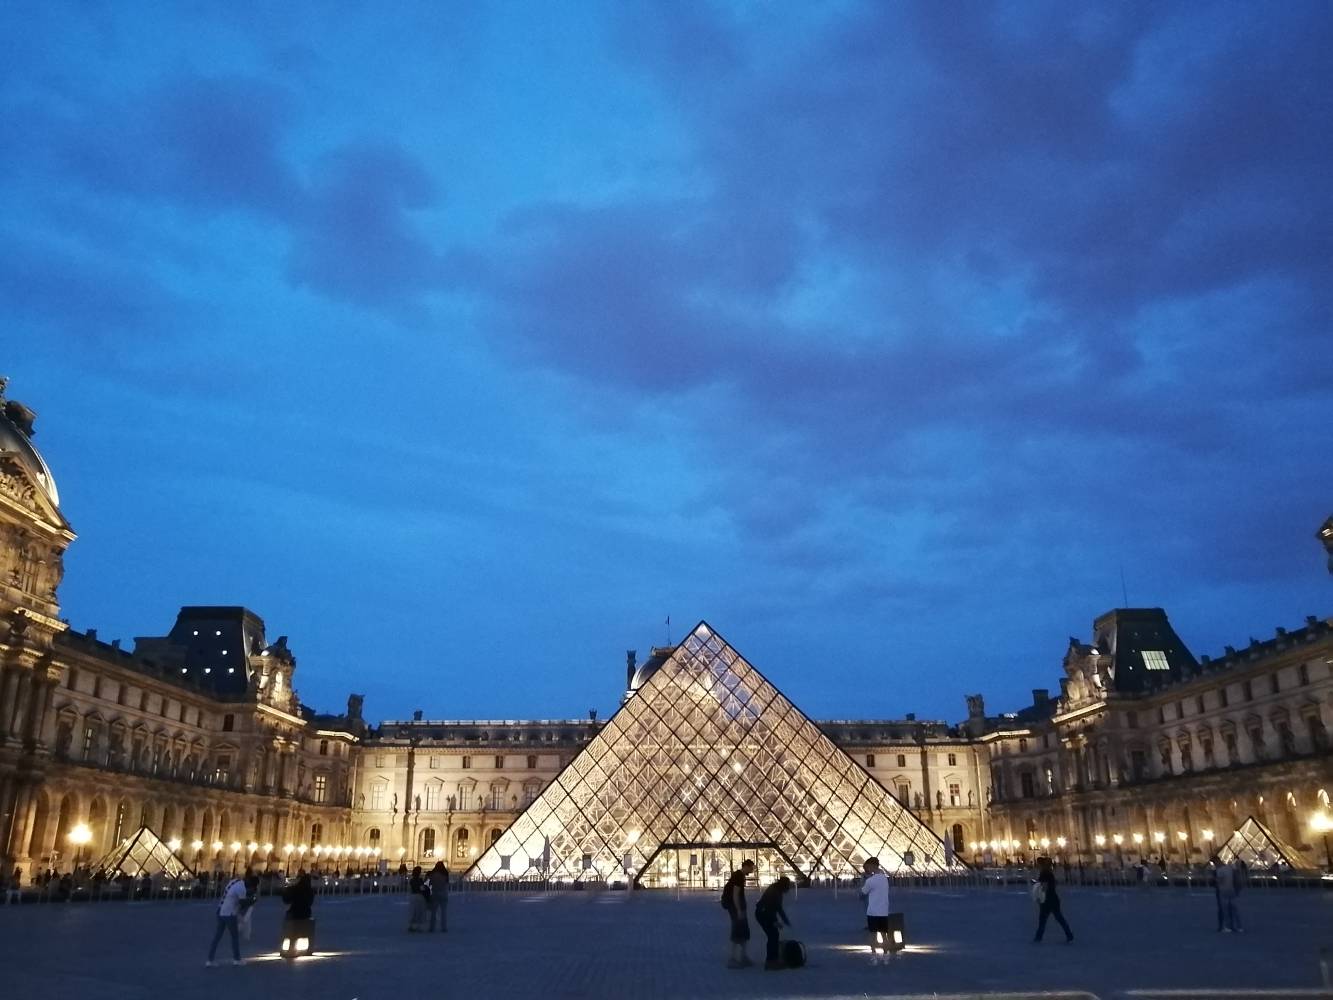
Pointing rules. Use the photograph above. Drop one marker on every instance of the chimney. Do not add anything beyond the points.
(416, 716)
(354, 704)
(911, 716)
(630, 656)
(92, 634)
(592, 715)
(1040, 696)
(115, 643)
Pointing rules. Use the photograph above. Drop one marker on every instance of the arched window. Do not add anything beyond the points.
(462, 843)
(494, 835)
(428, 842)
(373, 835)
(316, 833)
(957, 834)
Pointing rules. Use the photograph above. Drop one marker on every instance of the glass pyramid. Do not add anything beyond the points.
(143, 854)
(704, 764)
(1257, 846)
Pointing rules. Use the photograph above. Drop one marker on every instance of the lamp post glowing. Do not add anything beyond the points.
(80, 837)
(1321, 823)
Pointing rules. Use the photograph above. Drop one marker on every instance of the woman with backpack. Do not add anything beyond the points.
(1048, 901)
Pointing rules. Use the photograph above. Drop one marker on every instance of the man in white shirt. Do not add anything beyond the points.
(875, 889)
(229, 913)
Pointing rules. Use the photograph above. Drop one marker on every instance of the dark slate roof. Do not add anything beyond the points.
(1126, 634)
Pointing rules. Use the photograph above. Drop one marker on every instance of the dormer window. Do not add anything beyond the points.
(1155, 659)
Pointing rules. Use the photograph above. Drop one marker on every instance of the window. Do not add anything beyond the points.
(461, 839)
(1222, 697)
(1022, 745)
(464, 794)
(1303, 674)
(89, 739)
(72, 680)
(904, 793)
(497, 799)
(1029, 786)
(1257, 741)
(377, 793)
(323, 748)
(499, 762)
(379, 760)
(428, 842)
(221, 772)
(957, 832)
(494, 835)
(316, 833)
(143, 701)
(467, 763)
(1230, 740)
(434, 763)
(953, 760)
(321, 787)
(433, 794)
(373, 835)
(955, 794)
(1273, 684)
(870, 760)
(1198, 704)
(902, 760)
(1247, 689)
(1180, 710)
(1132, 720)
(1138, 764)
(532, 761)
(1155, 659)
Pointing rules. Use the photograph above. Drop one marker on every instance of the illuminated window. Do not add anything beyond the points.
(428, 842)
(1155, 659)
(955, 794)
(321, 788)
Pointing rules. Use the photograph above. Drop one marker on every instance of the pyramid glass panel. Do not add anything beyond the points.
(1259, 847)
(706, 764)
(143, 854)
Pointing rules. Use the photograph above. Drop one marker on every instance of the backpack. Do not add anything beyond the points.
(1038, 893)
(726, 897)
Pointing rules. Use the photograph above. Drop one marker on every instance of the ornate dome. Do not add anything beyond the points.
(16, 442)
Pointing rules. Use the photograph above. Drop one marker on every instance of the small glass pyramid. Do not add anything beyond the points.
(1258, 847)
(143, 854)
(705, 764)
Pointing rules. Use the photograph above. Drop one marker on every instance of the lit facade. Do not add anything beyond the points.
(200, 736)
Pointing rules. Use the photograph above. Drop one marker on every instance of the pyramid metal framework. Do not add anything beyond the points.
(145, 853)
(1258, 846)
(706, 752)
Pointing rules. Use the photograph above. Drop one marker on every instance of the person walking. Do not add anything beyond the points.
(1226, 885)
(438, 880)
(875, 891)
(417, 900)
(229, 913)
(1048, 901)
(767, 912)
(733, 901)
(300, 898)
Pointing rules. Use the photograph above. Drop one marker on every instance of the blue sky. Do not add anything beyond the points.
(466, 343)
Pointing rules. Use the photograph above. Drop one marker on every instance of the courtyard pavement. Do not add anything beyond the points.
(1151, 942)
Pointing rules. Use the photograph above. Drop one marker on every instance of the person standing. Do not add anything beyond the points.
(439, 896)
(1048, 901)
(1226, 884)
(229, 913)
(417, 900)
(767, 913)
(875, 891)
(733, 901)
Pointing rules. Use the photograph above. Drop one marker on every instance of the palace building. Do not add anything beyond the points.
(200, 736)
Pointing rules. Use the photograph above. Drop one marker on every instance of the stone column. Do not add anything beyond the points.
(8, 678)
(39, 697)
(13, 825)
(10, 701)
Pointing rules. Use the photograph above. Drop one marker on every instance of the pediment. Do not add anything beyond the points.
(19, 489)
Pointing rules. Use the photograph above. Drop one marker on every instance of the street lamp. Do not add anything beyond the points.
(1321, 823)
(80, 837)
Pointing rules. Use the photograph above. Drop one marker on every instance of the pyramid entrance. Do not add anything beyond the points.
(705, 761)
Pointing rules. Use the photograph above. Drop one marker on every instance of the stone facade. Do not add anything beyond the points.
(201, 736)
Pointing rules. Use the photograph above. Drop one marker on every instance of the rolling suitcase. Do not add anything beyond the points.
(793, 954)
